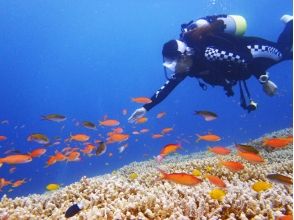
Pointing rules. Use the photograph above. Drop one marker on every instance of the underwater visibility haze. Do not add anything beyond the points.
(87, 60)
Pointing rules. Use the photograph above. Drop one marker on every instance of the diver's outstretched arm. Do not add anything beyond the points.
(159, 96)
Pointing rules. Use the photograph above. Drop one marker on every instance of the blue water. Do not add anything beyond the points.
(87, 59)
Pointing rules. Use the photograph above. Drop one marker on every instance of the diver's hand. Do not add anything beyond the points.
(138, 113)
(270, 88)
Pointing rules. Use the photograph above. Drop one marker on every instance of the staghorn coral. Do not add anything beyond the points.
(117, 197)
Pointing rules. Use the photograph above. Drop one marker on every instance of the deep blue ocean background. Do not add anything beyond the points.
(87, 59)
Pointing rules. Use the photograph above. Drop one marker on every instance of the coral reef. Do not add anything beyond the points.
(116, 196)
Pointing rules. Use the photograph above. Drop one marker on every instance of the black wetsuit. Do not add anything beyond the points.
(226, 59)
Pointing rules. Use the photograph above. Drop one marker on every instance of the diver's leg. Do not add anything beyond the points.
(285, 40)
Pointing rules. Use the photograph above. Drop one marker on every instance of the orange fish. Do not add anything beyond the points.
(141, 120)
(142, 100)
(2, 138)
(277, 142)
(166, 130)
(251, 157)
(16, 159)
(3, 183)
(166, 150)
(18, 183)
(219, 150)
(109, 122)
(208, 137)
(117, 130)
(79, 137)
(73, 156)
(59, 156)
(215, 180)
(52, 160)
(118, 138)
(37, 152)
(180, 178)
(160, 114)
(285, 217)
(157, 136)
(88, 149)
(232, 165)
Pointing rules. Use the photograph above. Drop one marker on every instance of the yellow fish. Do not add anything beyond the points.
(217, 194)
(261, 186)
(196, 172)
(52, 187)
(133, 176)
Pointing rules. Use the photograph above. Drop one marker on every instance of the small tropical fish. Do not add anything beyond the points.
(251, 157)
(101, 149)
(18, 183)
(37, 152)
(277, 142)
(52, 186)
(89, 125)
(144, 130)
(208, 116)
(79, 137)
(3, 138)
(157, 136)
(4, 182)
(261, 186)
(16, 159)
(219, 150)
(73, 156)
(59, 156)
(215, 180)
(88, 149)
(166, 130)
(160, 114)
(122, 148)
(73, 210)
(109, 122)
(52, 160)
(208, 137)
(12, 169)
(39, 138)
(54, 117)
(142, 100)
(133, 176)
(279, 178)
(217, 194)
(246, 148)
(135, 132)
(117, 138)
(166, 150)
(285, 217)
(118, 130)
(232, 165)
(141, 120)
(196, 172)
(180, 178)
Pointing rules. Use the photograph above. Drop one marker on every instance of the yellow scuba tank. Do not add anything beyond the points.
(235, 24)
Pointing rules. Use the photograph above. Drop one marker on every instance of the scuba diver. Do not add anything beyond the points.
(214, 51)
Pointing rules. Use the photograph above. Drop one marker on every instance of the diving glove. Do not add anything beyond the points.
(269, 87)
(138, 113)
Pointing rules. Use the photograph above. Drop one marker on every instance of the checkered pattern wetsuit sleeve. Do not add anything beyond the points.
(165, 90)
